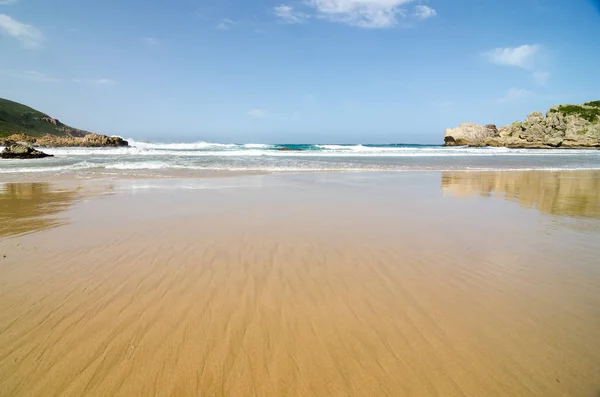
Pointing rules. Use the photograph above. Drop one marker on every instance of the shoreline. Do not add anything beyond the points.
(227, 174)
(205, 159)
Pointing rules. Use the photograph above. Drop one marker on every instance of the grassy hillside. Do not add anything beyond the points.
(18, 118)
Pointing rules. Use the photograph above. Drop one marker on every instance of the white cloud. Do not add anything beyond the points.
(423, 12)
(150, 41)
(29, 36)
(257, 113)
(7, 2)
(541, 77)
(286, 14)
(31, 75)
(515, 94)
(521, 57)
(362, 13)
(99, 81)
(370, 14)
(226, 24)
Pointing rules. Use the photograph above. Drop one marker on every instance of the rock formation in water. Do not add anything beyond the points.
(19, 151)
(565, 126)
(88, 140)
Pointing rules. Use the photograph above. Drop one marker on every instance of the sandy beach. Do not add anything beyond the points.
(357, 284)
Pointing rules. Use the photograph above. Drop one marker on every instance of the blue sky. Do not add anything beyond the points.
(332, 71)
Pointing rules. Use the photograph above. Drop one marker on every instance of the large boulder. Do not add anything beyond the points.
(19, 151)
(470, 134)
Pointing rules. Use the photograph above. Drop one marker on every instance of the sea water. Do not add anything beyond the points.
(158, 159)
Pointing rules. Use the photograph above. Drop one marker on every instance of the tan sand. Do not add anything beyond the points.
(324, 285)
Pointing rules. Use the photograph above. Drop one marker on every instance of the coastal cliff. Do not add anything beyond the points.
(564, 126)
(21, 123)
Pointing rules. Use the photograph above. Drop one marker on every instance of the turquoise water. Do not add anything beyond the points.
(167, 158)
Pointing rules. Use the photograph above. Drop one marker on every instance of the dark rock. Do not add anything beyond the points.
(287, 149)
(18, 151)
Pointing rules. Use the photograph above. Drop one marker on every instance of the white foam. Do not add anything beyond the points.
(263, 157)
(145, 165)
(257, 146)
(354, 152)
(180, 146)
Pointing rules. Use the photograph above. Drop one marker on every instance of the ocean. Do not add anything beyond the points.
(164, 159)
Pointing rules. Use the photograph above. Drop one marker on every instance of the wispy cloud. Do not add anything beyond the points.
(98, 81)
(422, 12)
(372, 14)
(287, 14)
(226, 24)
(515, 94)
(257, 113)
(30, 37)
(30, 75)
(150, 41)
(522, 56)
(7, 2)
(541, 77)
(362, 13)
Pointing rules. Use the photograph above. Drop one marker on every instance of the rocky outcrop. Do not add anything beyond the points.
(469, 134)
(19, 151)
(565, 126)
(89, 140)
(50, 120)
(17, 138)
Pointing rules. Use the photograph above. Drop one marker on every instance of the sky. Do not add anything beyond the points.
(305, 71)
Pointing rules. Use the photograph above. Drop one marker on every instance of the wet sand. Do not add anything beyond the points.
(324, 284)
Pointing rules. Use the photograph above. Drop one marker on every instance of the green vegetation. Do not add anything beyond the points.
(9, 129)
(594, 104)
(17, 118)
(590, 115)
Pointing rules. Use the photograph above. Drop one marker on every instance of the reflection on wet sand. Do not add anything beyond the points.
(574, 194)
(30, 207)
